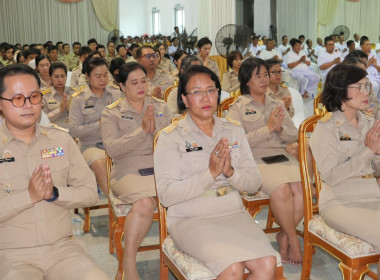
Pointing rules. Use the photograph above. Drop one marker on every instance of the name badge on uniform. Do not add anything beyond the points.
(250, 111)
(344, 137)
(88, 104)
(53, 152)
(6, 156)
(160, 114)
(193, 147)
(126, 118)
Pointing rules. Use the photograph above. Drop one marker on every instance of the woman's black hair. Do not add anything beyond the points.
(57, 65)
(177, 55)
(245, 72)
(187, 61)
(127, 68)
(115, 64)
(337, 81)
(91, 63)
(231, 56)
(185, 78)
(354, 61)
(41, 57)
(18, 56)
(271, 62)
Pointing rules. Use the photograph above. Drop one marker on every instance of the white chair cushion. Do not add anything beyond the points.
(299, 113)
(121, 208)
(190, 267)
(352, 246)
(256, 196)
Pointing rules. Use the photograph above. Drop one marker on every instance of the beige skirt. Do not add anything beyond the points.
(275, 174)
(92, 154)
(222, 241)
(133, 187)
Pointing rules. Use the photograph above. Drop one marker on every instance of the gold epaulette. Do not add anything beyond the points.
(326, 117)
(113, 105)
(233, 121)
(158, 100)
(171, 127)
(58, 127)
(46, 91)
(75, 68)
(78, 92)
(73, 88)
(283, 85)
(367, 114)
(114, 86)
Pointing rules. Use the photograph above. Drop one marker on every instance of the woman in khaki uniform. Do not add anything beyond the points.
(165, 65)
(270, 130)
(56, 98)
(230, 78)
(42, 68)
(86, 108)
(346, 145)
(128, 128)
(201, 163)
(276, 89)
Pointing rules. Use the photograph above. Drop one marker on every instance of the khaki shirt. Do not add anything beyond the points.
(172, 102)
(373, 105)
(70, 60)
(175, 74)
(339, 149)
(230, 81)
(253, 117)
(181, 165)
(109, 58)
(165, 66)
(22, 223)
(160, 80)
(74, 81)
(213, 66)
(85, 111)
(129, 146)
(282, 91)
(44, 85)
(51, 103)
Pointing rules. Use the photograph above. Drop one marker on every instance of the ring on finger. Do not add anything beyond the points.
(217, 153)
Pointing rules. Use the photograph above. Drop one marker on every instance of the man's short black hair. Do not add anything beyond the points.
(84, 50)
(328, 38)
(90, 41)
(204, 41)
(363, 39)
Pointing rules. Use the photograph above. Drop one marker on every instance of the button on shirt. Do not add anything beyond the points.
(23, 224)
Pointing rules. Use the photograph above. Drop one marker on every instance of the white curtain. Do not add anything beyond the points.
(212, 15)
(106, 10)
(26, 21)
(360, 17)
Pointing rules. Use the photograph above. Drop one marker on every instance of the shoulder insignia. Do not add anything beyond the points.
(46, 91)
(233, 121)
(283, 85)
(369, 115)
(326, 117)
(171, 127)
(158, 100)
(78, 92)
(75, 68)
(113, 105)
(58, 127)
(73, 88)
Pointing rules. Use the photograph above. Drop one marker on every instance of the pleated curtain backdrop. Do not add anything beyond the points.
(106, 10)
(25, 21)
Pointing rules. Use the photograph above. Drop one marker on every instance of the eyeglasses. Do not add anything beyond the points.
(19, 100)
(198, 93)
(263, 76)
(277, 72)
(362, 87)
(150, 55)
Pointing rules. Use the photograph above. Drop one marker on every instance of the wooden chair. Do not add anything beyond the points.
(169, 90)
(355, 254)
(182, 265)
(225, 105)
(117, 215)
(317, 102)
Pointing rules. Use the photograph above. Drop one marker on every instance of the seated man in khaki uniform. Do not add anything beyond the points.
(158, 81)
(204, 48)
(77, 71)
(42, 177)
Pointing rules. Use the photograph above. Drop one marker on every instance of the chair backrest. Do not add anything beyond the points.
(169, 90)
(317, 102)
(299, 113)
(108, 167)
(225, 105)
(307, 127)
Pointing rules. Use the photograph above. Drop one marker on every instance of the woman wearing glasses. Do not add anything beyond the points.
(128, 128)
(277, 89)
(201, 163)
(269, 130)
(350, 197)
(86, 108)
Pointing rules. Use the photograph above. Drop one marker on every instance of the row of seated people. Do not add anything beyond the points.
(135, 119)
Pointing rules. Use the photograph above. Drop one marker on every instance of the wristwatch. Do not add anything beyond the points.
(54, 196)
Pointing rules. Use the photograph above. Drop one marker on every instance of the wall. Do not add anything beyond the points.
(262, 19)
(132, 17)
(239, 12)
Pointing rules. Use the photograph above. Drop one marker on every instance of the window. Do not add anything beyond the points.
(179, 13)
(156, 26)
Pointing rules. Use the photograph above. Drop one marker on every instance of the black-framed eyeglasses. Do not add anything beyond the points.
(19, 100)
(209, 92)
(150, 55)
(362, 87)
(277, 72)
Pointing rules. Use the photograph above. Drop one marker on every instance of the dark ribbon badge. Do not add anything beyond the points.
(344, 137)
(193, 147)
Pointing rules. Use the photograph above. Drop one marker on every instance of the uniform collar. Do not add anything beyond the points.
(187, 125)
(339, 118)
(249, 99)
(88, 93)
(125, 106)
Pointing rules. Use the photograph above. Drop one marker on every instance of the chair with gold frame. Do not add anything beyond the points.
(225, 105)
(355, 254)
(169, 90)
(182, 265)
(117, 214)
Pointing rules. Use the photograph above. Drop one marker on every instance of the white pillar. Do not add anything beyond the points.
(261, 18)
